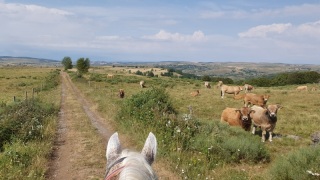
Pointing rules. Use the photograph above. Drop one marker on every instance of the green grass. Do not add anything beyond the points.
(27, 128)
(299, 117)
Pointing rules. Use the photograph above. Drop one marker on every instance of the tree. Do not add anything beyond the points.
(67, 63)
(83, 65)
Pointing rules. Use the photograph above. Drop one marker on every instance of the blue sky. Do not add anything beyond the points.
(286, 31)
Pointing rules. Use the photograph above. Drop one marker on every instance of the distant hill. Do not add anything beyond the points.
(237, 70)
(27, 61)
(233, 70)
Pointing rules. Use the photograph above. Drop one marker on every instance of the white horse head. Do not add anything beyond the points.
(126, 164)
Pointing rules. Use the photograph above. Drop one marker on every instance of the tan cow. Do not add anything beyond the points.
(253, 99)
(207, 84)
(266, 119)
(314, 89)
(110, 76)
(228, 89)
(237, 117)
(220, 83)
(142, 84)
(248, 88)
(196, 93)
(121, 93)
(302, 88)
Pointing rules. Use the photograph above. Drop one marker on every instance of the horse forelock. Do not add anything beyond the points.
(134, 166)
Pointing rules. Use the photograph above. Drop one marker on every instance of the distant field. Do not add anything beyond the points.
(16, 81)
(124, 70)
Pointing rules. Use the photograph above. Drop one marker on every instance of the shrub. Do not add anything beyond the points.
(225, 144)
(52, 80)
(300, 164)
(24, 121)
(96, 77)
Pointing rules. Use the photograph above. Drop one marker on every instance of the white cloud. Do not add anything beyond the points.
(167, 36)
(302, 10)
(311, 29)
(264, 30)
(30, 9)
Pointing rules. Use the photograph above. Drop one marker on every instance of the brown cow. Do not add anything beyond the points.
(228, 89)
(196, 93)
(248, 88)
(207, 84)
(266, 119)
(142, 84)
(253, 99)
(121, 93)
(237, 117)
(302, 88)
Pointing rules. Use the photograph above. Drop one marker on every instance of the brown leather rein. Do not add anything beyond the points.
(115, 172)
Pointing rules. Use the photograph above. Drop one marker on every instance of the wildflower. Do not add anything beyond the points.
(312, 173)
(178, 129)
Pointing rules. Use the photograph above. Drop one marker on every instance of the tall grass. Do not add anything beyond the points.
(299, 164)
(27, 131)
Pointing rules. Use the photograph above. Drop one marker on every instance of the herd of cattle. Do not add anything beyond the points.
(255, 112)
(258, 115)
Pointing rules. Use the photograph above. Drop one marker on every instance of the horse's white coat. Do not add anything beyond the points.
(134, 165)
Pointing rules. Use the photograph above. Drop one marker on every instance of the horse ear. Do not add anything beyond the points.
(113, 148)
(149, 150)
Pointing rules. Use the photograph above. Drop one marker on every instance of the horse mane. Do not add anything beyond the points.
(127, 164)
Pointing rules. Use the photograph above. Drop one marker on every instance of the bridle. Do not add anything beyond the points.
(115, 172)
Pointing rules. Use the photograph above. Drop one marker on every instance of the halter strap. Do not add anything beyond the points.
(115, 172)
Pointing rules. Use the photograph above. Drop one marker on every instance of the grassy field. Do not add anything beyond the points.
(297, 120)
(27, 127)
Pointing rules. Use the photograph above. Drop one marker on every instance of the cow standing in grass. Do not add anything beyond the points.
(248, 88)
(121, 93)
(302, 88)
(228, 89)
(253, 99)
(207, 85)
(142, 84)
(266, 119)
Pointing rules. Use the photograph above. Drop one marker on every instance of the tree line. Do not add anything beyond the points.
(82, 64)
(282, 79)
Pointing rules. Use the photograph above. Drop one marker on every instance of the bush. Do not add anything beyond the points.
(52, 80)
(300, 164)
(225, 144)
(24, 121)
(95, 77)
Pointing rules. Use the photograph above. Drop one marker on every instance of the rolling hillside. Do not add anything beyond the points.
(233, 70)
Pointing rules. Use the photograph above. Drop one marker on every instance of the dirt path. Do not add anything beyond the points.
(79, 150)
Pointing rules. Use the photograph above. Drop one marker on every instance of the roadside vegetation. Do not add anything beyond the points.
(191, 139)
(28, 124)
